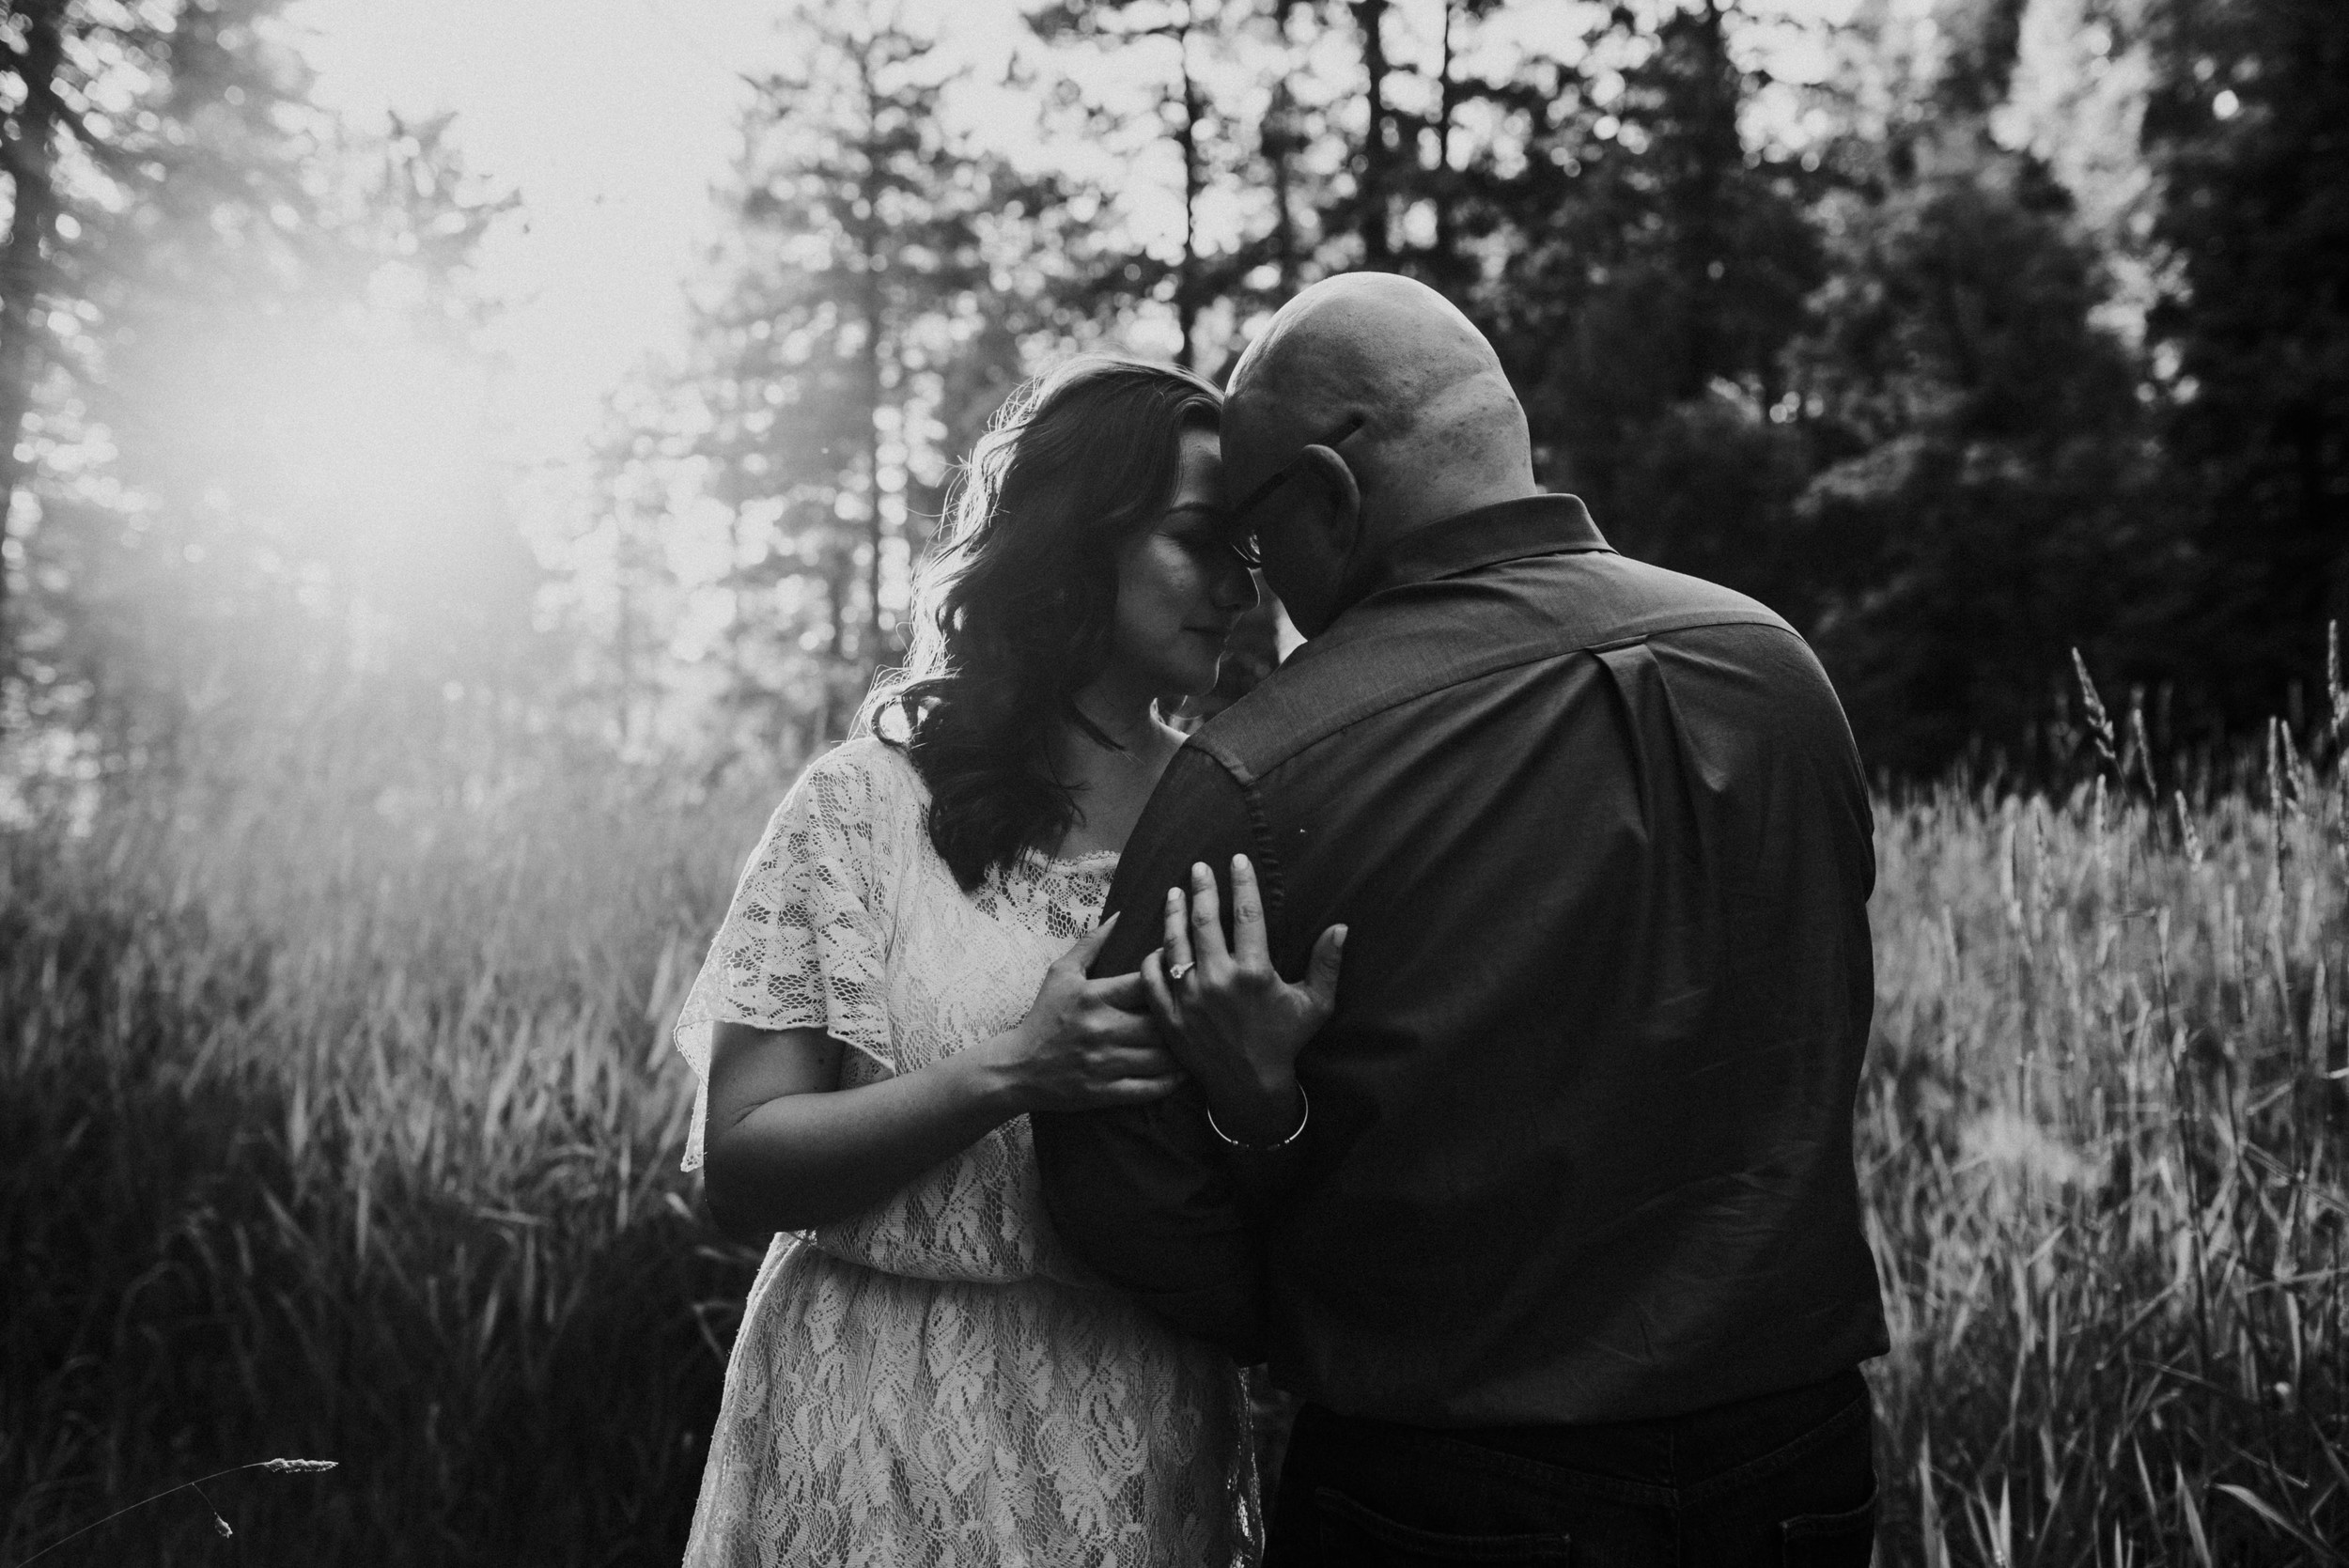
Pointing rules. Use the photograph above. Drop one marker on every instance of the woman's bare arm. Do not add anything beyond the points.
(788, 1149)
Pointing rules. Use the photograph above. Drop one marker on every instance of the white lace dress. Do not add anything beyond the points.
(935, 1383)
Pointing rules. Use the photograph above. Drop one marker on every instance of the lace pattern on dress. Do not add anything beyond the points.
(935, 1382)
(805, 941)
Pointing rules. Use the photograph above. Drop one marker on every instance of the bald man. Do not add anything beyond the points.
(1553, 1226)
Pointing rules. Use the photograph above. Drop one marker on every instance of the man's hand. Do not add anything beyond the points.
(1230, 1018)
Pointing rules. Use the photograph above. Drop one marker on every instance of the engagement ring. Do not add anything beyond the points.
(1175, 972)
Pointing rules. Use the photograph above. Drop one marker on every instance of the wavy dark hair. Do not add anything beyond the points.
(1015, 611)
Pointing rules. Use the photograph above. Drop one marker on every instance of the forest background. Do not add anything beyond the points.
(365, 797)
(1963, 333)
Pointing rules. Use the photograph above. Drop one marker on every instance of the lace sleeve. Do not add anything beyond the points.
(805, 940)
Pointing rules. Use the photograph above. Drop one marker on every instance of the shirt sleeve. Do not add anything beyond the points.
(804, 942)
(1149, 1196)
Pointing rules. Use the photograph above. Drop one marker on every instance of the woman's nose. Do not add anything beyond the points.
(1235, 587)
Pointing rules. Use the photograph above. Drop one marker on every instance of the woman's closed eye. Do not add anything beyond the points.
(1213, 544)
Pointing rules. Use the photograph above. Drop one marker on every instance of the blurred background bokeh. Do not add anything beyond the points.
(1964, 333)
(463, 455)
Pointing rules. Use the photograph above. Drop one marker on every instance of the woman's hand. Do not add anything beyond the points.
(1235, 1023)
(1085, 1044)
(790, 1151)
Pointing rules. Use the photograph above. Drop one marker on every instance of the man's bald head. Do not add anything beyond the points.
(1442, 432)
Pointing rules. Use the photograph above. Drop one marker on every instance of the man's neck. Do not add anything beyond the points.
(1438, 504)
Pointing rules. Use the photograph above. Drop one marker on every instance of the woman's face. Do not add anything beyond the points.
(1180, 587)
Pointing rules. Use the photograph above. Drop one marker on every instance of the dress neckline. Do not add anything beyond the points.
(1090, 859)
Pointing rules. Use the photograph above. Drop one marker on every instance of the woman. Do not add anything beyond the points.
(901, 978)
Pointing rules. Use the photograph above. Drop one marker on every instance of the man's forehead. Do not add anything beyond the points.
(1251, 450)
(1256, 425)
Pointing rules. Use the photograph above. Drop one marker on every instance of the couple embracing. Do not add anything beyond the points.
(1534, 1186)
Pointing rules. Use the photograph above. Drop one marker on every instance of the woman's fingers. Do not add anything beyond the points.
(1088, 947)
(1121, 991)
(1176, 938)
(1163, 1006)
(1123, 1027)
(1124, 1062)
(1138, 1090)
(1206, 919)
(1248, 947)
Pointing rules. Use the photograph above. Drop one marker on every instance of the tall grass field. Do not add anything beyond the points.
(339, 1121)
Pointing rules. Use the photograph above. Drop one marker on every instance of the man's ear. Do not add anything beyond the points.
(1340, 515)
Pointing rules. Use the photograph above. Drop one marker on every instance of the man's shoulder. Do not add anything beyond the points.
(1667, 593)
(1405, 642)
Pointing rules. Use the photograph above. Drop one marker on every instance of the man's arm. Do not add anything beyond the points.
(1146, 1196)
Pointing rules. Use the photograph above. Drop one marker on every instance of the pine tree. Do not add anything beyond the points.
(1650, 269)
(2246, 124)
(1221, 65)
(849, 300)
(1986, 499)
(120, 120)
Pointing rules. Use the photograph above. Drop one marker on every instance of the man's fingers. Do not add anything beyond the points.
(1248, 933)
(1089, 946)
(1321, 971)
(1207, 918)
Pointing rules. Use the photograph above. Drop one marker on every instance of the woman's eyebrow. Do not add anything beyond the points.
(1207, 506)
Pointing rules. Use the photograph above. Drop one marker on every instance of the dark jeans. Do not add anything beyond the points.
(1786, 1479)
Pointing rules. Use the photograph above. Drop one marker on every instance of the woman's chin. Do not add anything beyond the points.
(1189, 686)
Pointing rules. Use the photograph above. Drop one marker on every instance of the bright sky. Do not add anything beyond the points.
(613, 121)
(612, 118)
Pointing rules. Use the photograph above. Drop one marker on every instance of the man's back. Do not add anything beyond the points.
(1580, 1142)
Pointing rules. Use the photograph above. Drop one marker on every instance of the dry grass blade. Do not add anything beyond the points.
(2274, 1516)
(279, 1466)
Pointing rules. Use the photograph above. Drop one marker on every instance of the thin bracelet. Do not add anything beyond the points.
(1298, 1131)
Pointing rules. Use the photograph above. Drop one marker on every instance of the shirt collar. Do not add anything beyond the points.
(1508, 531)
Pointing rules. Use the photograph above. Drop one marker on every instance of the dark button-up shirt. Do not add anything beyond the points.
(1581, 1142)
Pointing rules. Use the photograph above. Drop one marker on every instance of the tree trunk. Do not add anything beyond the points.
(839, 575)
(1187, 137)
(1717, 143)
(870, 300)
(1279, 147)
(1378, 249)
(28, 156)
(1278, 137)
(877, 525)
(1445, 105)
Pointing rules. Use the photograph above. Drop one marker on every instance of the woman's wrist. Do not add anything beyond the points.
(992, 1073)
